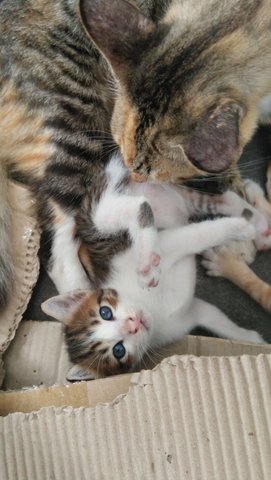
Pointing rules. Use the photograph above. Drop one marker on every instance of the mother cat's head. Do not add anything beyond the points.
(183, 105)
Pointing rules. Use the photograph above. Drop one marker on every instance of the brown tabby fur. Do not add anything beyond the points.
(187, 79)
(189, 85)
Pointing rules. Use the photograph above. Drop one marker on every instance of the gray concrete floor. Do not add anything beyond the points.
(236, 304)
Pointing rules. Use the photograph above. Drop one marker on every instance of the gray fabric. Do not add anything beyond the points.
(237, 305)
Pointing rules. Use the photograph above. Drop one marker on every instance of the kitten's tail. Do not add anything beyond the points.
(6, 261)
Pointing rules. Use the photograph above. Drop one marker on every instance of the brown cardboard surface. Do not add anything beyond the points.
(36, 356)
(87, 394)
(193, 418)
(26, 240)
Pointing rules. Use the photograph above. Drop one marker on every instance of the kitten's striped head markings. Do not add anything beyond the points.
(177, 115)
(102, 335)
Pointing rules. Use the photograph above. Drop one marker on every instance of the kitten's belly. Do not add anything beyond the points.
(174, 292)
(168, 206)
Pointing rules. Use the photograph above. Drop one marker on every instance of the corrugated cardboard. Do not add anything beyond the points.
(37, 355)
(200, 418)
(26, 240)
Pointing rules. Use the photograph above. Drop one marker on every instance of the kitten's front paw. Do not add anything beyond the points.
(215, 261)
(148, 270)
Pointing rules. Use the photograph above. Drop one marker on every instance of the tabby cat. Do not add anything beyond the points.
(130, 304)
(184, 85)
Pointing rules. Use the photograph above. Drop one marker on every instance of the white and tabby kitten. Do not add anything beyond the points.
(140, 261)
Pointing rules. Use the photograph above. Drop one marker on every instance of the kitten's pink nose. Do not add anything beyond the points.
(133, 324)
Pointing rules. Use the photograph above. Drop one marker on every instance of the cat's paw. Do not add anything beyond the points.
(261, 217)
(148, 270)
(251, 336)
(262, 238)
(253, 191)
(215, 261)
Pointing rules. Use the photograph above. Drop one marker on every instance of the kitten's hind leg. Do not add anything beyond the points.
(210, 317)
(123, 212)
(65, 268)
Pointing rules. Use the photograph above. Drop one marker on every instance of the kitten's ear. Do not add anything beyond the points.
(77, 374)
(215, 143)
(61, 306)
(119, 30)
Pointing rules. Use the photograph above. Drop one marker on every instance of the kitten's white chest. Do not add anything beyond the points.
(173, 293)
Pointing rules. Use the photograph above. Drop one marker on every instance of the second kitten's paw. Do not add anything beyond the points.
(215, 261)
(148, 270)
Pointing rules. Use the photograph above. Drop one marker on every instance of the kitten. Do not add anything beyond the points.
(130, 235)
(233, 265)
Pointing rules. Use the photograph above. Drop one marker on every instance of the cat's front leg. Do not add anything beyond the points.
(195, 238)
(65, 268)
(117, 212)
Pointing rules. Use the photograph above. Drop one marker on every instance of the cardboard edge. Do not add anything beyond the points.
(105, 391)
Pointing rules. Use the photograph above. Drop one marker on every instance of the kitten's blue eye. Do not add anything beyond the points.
(106, 313)
(119, 351)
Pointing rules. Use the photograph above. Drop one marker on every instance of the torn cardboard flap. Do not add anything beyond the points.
(38, 356)
(190, 418)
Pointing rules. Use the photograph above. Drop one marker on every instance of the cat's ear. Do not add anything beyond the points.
(77, 374)
(120, 31)
(61, 306)
(215, 144)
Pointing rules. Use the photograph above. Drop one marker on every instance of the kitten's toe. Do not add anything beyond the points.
(149, 271)
(214, 261)
(211, 268)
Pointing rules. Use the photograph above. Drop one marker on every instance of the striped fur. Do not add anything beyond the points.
(56, 98)
(55, 108)
(189, 84)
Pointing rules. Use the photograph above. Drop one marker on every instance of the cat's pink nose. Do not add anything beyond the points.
(133, 324)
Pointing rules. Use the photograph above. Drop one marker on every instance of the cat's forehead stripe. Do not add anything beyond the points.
(110, 296)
